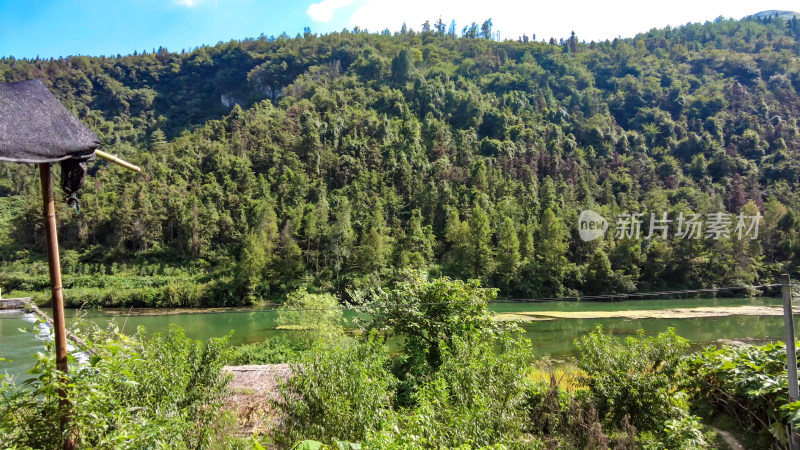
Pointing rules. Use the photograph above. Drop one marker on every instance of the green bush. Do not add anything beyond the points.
(307, 319)
(750, 384)
(476, 397)
(634, 377)
(428, 315)
(156, 391)
(472, 386)
(275, 350)
(312, 318)
(338, 392)
(568, 419)
(683, 433)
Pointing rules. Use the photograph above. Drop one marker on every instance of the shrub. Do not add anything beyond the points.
(683, 433)
(338, 392)
(640, 380)
(634, 377)
(312, 318)
(476, 397)
(428, 315)
(308, 319)
(162, 390)
(275, 350)
(567, 419)
(750, 384)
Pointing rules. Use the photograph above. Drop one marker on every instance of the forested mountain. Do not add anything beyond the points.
(337, 161)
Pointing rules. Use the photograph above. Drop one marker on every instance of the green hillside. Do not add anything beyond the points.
(355, 156)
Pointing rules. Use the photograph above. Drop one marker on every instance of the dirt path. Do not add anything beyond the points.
(732, 442)
(252, 392)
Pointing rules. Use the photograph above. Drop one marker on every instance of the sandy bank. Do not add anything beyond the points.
(672, 313)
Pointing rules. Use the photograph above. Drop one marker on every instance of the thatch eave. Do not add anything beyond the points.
(36, 128)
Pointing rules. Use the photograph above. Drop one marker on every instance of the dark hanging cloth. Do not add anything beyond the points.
(36, 128)
(73, 173)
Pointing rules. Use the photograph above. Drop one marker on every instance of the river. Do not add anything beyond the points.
(550, 336)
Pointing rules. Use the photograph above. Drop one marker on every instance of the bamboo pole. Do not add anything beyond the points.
(57, 297)
(70, 335)
(791, 355)
(115, 160)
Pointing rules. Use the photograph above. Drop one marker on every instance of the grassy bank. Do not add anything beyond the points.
(120, 285)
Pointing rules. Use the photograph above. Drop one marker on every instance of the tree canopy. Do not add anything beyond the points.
(338, 161)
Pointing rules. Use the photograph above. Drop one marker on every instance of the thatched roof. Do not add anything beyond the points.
(36, 128)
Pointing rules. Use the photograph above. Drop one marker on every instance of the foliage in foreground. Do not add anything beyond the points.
(750, 384)
(638, 381)
(477, 396)
(472, 385)
(428, 315)
(634, 377)
(341, 391)
(148, 391)
(165, 390)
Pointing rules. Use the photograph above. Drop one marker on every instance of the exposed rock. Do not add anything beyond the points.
(14, 303)
(229, 100)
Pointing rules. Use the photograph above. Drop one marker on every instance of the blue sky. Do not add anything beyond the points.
(50, 28)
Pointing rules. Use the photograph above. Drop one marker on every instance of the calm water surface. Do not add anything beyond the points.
(550, 337)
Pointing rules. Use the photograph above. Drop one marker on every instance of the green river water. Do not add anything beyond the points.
(550, 337)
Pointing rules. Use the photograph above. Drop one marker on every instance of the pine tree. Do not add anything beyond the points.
(289, 261)
(551, 261)
(403, 66)
(599, 273)
(573, 43)
(439, 26)
(747, 252)
(417, 244)
(158, 140)
(480, 255)
(341, 236)
(526, 245)
(375, 246)
(255, 263)
(736, 194)
(486, 29)
(479, 176)
(547, 196)
(457, 237)
(508, 255)
(316, 231)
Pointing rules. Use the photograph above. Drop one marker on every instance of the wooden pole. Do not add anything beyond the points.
(115, 160)
(791, 354)
(57, 297)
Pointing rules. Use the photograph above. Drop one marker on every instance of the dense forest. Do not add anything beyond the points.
(336, 162)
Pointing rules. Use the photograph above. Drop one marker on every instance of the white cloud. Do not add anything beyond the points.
(193, 3)
(323, 11)
(590, 19)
